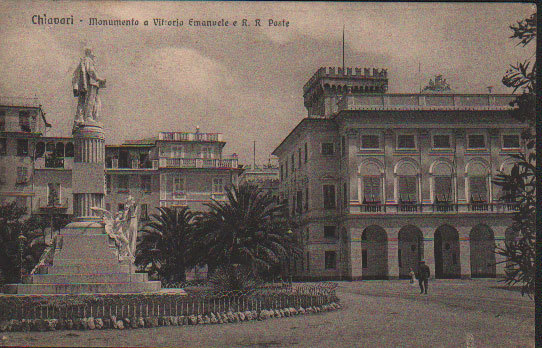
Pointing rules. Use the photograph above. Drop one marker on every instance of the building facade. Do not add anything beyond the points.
(175, 169)
(265, 176)
(378, 182)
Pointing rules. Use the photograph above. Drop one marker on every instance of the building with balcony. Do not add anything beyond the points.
(176, 169)
(22, 125)
(379, 181)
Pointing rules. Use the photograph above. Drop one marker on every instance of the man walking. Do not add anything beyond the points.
(423, 277)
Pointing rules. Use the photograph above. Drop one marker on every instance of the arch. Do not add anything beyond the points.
(40, 149)
(370, 166)
(406, 166)
(50, 147)
(447, 252)
(506, 165)
(59, 149)
(482, 252)
(374, 249)
(441, 166)
(69, 151)
(410, 250)
(477, 166)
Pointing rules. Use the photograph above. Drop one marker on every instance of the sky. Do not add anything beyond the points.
(244, 82)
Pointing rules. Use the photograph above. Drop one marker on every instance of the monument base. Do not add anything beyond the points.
(85, 261)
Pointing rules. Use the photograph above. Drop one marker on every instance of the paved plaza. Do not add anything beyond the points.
(455, 313)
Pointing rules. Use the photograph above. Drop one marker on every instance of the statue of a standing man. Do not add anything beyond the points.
(86, 83)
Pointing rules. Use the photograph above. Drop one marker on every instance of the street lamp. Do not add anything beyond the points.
(21, 239)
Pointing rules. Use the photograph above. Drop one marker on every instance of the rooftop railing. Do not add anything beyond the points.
(441, 207)
(166, 162)
(426, 102)
(186, 136)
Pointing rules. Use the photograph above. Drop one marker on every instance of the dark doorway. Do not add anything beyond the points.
(410, 250)
(447, 254)
(482, 252)
(374, 249)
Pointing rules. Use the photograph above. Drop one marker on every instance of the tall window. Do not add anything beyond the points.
(343, 145)
(293, 163)
(406, 141)
(218, 185)
(299, 157)
(207, 152)
(330, 259)
(178, 184)
(24, 121)
(124, 183)
(286, 168)
(308, 262)
(22, 175)
(293, 204)
(371, 189)
(370, 141)
(146, 183)
(53, 194)
(441, 141)
(144, 212)
(478, 188)
(327, 149)
(330, 232)
(3, 146)
(443, 189)
(407, 189)
(329, 197)
(306, 199)
(176, 151)
(476, 141)
(22, 147)
(281, 172)
(510, 141)
(2, 120)
(299, 201)
(345, 195)
(306, 152)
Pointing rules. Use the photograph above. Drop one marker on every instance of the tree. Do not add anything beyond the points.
(21, 240)
(164, 248)
(520, 184)
(247, 229)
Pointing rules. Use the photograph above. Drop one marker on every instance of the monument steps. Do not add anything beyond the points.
(85, 278)
(83, 288)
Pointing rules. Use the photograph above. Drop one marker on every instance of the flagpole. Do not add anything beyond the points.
(343, 48)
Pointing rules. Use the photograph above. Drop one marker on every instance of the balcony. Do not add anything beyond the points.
(53, 203)
(135, 164)
(186, 136)
(435, 208)
(166, 162)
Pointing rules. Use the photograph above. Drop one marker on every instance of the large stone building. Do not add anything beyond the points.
(379, 181)
(175, 169)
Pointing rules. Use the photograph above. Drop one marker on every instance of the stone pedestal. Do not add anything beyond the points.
(86, 260)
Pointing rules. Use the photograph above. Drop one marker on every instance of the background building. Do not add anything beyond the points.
(22, 124)
(380, 181)
(264, 176)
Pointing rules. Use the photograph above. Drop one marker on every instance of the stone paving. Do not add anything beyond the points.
(455, 313)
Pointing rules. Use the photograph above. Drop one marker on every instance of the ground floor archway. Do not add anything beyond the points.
(482, 252)
(374, 253)
(447, 252)
(410, 250)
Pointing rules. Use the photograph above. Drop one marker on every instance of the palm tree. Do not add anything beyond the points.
(165, 245)
(247, 229)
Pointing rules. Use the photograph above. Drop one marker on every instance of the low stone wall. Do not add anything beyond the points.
(54, 312)
(121, 323)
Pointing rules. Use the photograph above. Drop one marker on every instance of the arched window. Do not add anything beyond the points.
(59, 149)
(68, 151)
(407, 184)
(371, 183)
(478, 183)
(442, 183)
(50, 148)
(40, 149)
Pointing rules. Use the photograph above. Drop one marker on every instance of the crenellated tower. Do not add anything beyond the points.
(326, 87)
